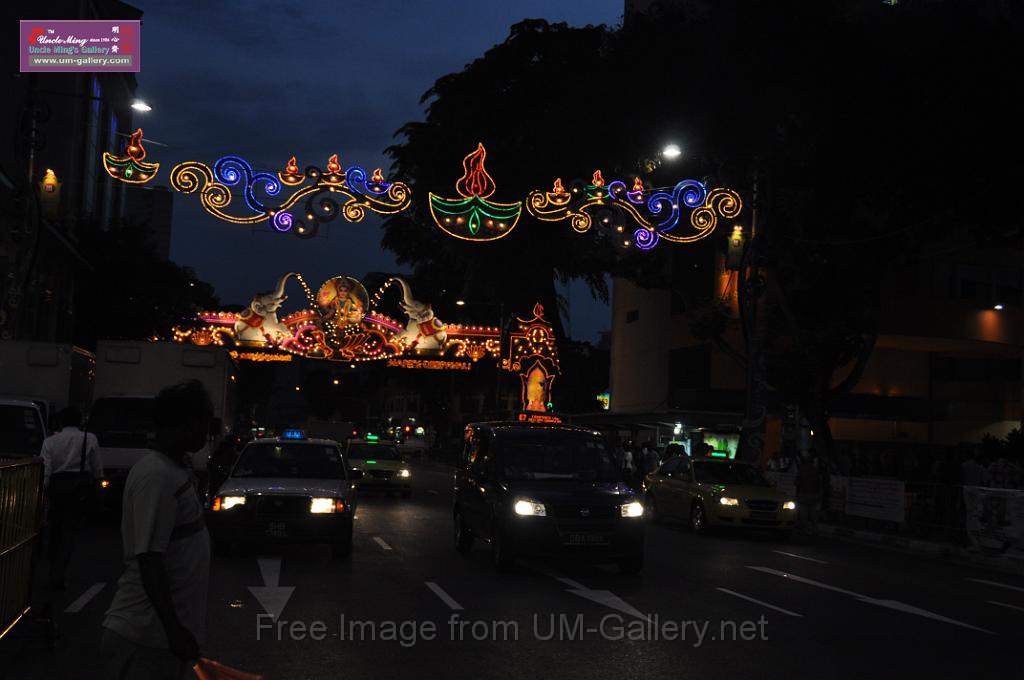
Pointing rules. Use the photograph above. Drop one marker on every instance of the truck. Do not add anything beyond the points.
(50, 375)
(129, 374)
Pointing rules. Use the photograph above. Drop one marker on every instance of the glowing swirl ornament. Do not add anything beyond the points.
(292, 200)
(473, 217)
(655, 214)
(130, 168)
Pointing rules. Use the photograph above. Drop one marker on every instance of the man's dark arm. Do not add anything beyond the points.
(181, 641)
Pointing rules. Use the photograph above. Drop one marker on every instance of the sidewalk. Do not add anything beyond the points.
(944, 551)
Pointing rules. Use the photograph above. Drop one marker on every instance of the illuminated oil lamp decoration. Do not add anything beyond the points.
(49, 194)
(131, 167)
(655, 215)
(316, 196)
(533, 354)
(472, 217)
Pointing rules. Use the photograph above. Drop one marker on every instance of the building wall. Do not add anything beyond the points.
(640, 348)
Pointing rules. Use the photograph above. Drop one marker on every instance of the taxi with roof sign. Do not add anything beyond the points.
(287, 489)
(382, 465)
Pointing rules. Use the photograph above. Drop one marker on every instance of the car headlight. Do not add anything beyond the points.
(525, 506)
(725, 500)
(634, 509)
(321, 506)
(789, 505)
(404, 473)
(227, 502)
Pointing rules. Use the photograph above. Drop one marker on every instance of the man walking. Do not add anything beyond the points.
(158, 616)
(71, 470)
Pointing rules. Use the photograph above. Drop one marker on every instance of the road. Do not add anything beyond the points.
(724, 606)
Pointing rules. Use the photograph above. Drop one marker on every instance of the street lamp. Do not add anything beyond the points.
(460, 303)
(141, 106)
(671, 152)
(998, 307)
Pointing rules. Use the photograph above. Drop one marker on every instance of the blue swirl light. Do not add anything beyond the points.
(689, 192)
(282, 221)
(232, 170)
(645, 239)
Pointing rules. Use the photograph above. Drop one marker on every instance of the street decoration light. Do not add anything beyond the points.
(655, 214)
(317, 195)
(671, 152)
(342, 324)
(141, 106)
(472, 217)
(131, 167)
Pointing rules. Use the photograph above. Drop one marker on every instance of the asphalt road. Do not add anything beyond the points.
(724, 606)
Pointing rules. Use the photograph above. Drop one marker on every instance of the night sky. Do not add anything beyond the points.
(269, 79)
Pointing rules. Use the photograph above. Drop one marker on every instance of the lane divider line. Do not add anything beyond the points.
(763, 604)
(887, 604)
(443, 596)
(382, 543)
(84, 598)
(997, 584)
(799, 557)
(1008, 606)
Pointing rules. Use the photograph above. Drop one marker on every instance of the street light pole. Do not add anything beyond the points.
(751, 290)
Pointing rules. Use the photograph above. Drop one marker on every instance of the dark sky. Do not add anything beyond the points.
(268, 79)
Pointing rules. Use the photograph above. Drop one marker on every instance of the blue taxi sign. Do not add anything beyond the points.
(293, 433)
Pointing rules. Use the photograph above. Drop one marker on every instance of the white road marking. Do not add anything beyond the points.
(382, 543)
(763, 604)
(443, 596)
(602, 597)
(84, 598)
(799, 557)
(569, 582)
(271, 596)
(432, 492)
(997, 584)
(888, 604)
(1008, 606)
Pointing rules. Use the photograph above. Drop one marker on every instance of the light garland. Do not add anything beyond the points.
(655, 214)
(533, 354)
(324, 194)
(130, 168)
(473, 217)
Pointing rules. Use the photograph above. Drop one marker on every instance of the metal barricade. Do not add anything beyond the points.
(21, 492)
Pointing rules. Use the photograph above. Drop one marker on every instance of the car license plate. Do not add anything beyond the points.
(277, 529)
(585, 539)
(761, 514)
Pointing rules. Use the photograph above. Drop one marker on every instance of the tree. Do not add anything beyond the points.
(131, 293)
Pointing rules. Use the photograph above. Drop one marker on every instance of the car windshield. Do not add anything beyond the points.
(23, 431)
(728, 473)
(373, 452)
(556, 455)
(307, 461)
(123, 422)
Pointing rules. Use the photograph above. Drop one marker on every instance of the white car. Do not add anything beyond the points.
(287, 489)
(23, 428)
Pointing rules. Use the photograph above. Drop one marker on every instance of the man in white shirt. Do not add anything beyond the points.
(157, 619)
(71, 464)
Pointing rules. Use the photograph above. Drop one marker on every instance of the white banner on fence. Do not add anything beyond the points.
(868, 497)
(995, 519)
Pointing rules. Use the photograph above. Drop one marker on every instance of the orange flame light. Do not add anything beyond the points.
(135, 149)
(475, 181)
(597, 180)
(638, 186)
(333, 166)
(558, 188)
(292, 167)
(378, 176)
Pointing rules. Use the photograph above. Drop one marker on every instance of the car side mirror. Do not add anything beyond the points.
(353, 473)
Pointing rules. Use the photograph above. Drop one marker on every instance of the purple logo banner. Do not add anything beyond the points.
(80, 46)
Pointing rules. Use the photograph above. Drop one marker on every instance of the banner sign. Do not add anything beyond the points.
(995, 519)
(868, 497)
(79, 46)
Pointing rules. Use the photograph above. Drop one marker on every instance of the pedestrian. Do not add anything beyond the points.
(650, 458)
(71, 472)
(628, 467)
(157, 620)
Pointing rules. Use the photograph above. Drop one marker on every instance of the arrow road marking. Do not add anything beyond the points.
(888, 604)
(380, 541)
(84, 598)
(997, 584)
(444, 597)
(1008, 606)
(799, 557)
(271, 596)
(763, 604)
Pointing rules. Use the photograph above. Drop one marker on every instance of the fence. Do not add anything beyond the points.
(21, 490)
